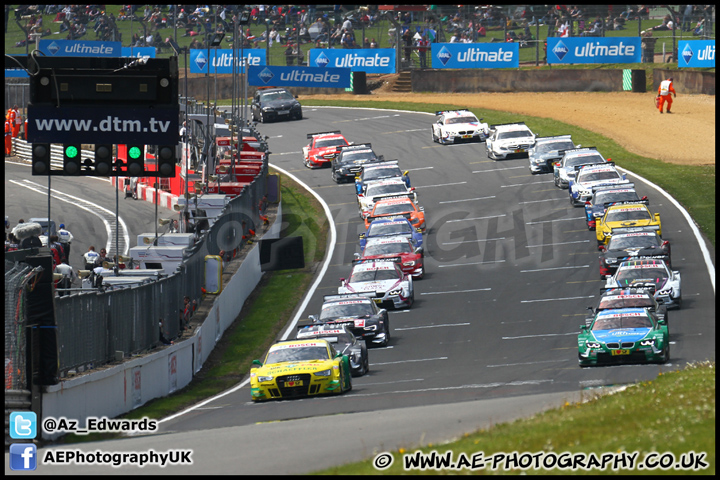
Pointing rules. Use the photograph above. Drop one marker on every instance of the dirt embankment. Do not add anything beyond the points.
(687, 136)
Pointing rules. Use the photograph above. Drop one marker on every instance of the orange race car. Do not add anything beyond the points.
(400, 206)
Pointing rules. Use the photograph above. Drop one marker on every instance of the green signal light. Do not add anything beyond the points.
(135, 152)
(71, 151)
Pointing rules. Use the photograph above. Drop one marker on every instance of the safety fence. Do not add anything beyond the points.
(17, 277)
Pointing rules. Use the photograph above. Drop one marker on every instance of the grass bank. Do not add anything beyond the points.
(692, 186)
(675, 413)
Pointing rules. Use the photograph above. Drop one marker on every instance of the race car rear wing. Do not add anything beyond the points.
(358, 261)
(346, 296)
(614, 186)
(647, 228)
(501, 124)
(442, 112)
(355, 145)
(576, 150)
(578, 167)
(553, 137)
(311, 135)
(650, 288)
(627, 202)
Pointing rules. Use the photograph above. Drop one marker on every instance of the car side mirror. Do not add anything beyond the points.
(313, 318)
(406, 172)
(583, 328)
(665, 243)
(601, 248)
(342, 281)
(338, 355)
(357, 256)
(657, 217)
(257, 362)
(362, 235)
(662, 321)
(579, 146)
(419, 250)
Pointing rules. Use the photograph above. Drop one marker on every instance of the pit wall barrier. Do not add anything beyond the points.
(121, 388)
(147, 193)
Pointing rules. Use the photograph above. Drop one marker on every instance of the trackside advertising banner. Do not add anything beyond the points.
(80, 48)
(370, 60)
(569, 50)
(224, 59)
(137, 52)
(475, 55)
(263, 76)
(696, 53)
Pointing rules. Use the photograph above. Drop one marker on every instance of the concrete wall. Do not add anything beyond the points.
(685, 81)
(121, 388)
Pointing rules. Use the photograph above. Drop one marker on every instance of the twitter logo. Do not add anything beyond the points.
(23, 425)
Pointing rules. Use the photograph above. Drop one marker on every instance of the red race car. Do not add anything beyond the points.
(394, 249)
(400, 206)
(323, 148)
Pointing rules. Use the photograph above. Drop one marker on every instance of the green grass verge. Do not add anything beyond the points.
(266, 315)
(674, 413)
(692, 186)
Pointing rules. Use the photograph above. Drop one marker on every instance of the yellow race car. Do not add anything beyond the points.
(299, 368)
(627, 218)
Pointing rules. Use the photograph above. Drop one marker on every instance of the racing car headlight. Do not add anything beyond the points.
(665, 291)
(647, 343)
(371, 328)
(395, 292)
(592, 345)
(267, 109)
(264, 379)
(607, 234)
(611, 260)
(324, 373)
(409, 264)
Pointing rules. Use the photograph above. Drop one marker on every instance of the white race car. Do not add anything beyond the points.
(385, 279)
(589, 176)
(374, 191)
(509, 140)
(649, 273)
(564, 170)
(455, 126)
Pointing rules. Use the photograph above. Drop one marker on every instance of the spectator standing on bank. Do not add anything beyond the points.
(90, 257)
(664, 91)
(422, 51)
(289, 57)
(687, 17)
(66, 239)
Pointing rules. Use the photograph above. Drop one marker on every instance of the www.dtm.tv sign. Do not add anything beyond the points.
(263, 76)
(222, 60)
(696, 53)
(475, 55)
(369, 60)
(569, 50)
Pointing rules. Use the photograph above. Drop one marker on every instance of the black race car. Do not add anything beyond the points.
(632, 246)
(640, 297)
(351, 159)
(606, 196)
(274, 104)
(359, 312)
(344, 342)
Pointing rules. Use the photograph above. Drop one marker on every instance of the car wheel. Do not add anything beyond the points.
(262, 118)
(666, 354)
(299, 115)
(434, 137)
(555, 179)
(366, 365)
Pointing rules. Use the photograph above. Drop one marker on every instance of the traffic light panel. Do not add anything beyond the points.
(41, 159)
(103, 159)
(166, 161)
(71, 159)
(136, 160)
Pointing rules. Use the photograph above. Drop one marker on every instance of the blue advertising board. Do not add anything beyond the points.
(263, 76)
(570, 50)
(475, 55)
(138, 52)
(224, 60)
(369, 60)
(696, 53)
(80, 48)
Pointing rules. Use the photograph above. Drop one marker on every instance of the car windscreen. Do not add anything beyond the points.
(329, 142)
(628, 276)
(379, 229)
(351, 157)
(590, 159)
(623, 215)
(599, 198)
(334, 310)
(552, 146)
(466, 119)
(386, 189)
(387, 248)
(389, 209)
(272, 96)
(611, 322)
(297, 354)
(514, 134)
(373, 275)
(625, 301)
(377, 173)
(597, 176)
(622, 242)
